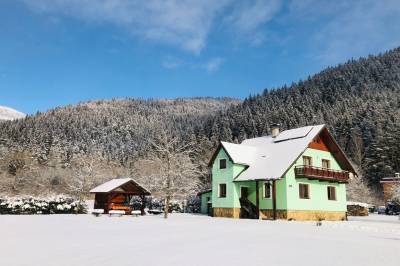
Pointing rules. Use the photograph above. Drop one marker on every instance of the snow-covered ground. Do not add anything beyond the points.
(186, 239)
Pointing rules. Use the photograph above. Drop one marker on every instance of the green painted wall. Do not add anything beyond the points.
(287, 188)
(225, 176)
(204, 200)
(318, 189)
(265, 203)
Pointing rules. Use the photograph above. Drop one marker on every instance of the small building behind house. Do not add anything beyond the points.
(388, 184)
(206, 202)
(117, 194)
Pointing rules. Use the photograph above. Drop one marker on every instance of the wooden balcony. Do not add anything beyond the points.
(325, 174)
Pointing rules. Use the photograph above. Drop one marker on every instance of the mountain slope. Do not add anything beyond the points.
(7, 113)
(358, 100)
(44, 151)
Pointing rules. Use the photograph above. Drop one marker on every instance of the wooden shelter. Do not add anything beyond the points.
(116, 194)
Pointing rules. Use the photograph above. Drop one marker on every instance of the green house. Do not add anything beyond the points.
(297, 174)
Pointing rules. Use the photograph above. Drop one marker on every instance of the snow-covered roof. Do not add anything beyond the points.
(296, 133)
(114, 184)
(268, 157)
(240, 154)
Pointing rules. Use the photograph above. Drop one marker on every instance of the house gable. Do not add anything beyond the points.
(325, 142)
(318, 144)
(224, 176)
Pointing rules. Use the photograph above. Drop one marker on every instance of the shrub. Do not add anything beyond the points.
(53, 205)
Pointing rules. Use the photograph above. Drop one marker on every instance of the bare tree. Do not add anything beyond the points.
(83, 178)
(174, 171)
(358, 190)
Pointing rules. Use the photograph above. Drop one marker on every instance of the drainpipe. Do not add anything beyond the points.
(257, 200)
(274, 199)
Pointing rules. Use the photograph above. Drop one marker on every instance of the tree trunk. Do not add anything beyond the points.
(166, 208)
(143, 206)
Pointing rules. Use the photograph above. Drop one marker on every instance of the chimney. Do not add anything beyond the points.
(275, 130)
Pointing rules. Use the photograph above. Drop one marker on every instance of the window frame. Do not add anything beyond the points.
(307, 157)
(308, 191)
(328, 163)
(329, 193)
(219, 164)
(264, 190)
(219, 190)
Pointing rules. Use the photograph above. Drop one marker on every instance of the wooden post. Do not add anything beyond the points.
(107, 207)
(274, 199)
(257, 200)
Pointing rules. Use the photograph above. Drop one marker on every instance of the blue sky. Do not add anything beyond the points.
(59, 52)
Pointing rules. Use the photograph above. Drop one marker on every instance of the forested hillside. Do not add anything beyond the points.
(53, 151)
(359, 101)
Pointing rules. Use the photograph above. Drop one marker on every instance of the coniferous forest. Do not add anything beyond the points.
(58, 150)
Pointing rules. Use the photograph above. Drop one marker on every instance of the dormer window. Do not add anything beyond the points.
(222, 164)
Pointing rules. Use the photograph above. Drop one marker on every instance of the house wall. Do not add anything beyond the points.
(388, 187)
(226, 176)
(318, 189)
(281, 197)
(204, 200)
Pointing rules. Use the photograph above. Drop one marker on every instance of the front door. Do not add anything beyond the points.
(244, 192)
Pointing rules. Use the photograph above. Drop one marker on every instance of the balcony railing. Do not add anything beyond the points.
(312, 172)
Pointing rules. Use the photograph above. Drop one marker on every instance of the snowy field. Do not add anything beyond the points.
(186, 239)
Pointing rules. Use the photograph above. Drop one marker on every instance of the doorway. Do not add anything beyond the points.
(244, 192)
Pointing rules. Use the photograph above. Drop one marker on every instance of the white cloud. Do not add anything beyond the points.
(213, 64)
(183, 23)
(171, 62)
(249, 15)
(348, 29)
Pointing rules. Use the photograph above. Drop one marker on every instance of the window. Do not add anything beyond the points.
(304, 191)
(222, 164)
(331, 193)
(307, 161)
(326, 164)
(222, 191)
(267, 190)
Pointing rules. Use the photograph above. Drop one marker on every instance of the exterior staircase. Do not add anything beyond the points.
(247, 209)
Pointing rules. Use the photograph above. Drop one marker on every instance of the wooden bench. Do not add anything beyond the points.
(118, 213)
(136, 213)
(120, 207)
(155, 211)
(97, 212)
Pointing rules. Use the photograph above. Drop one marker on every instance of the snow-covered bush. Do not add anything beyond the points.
(53, 205)
(193, 204)
(157, 204)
